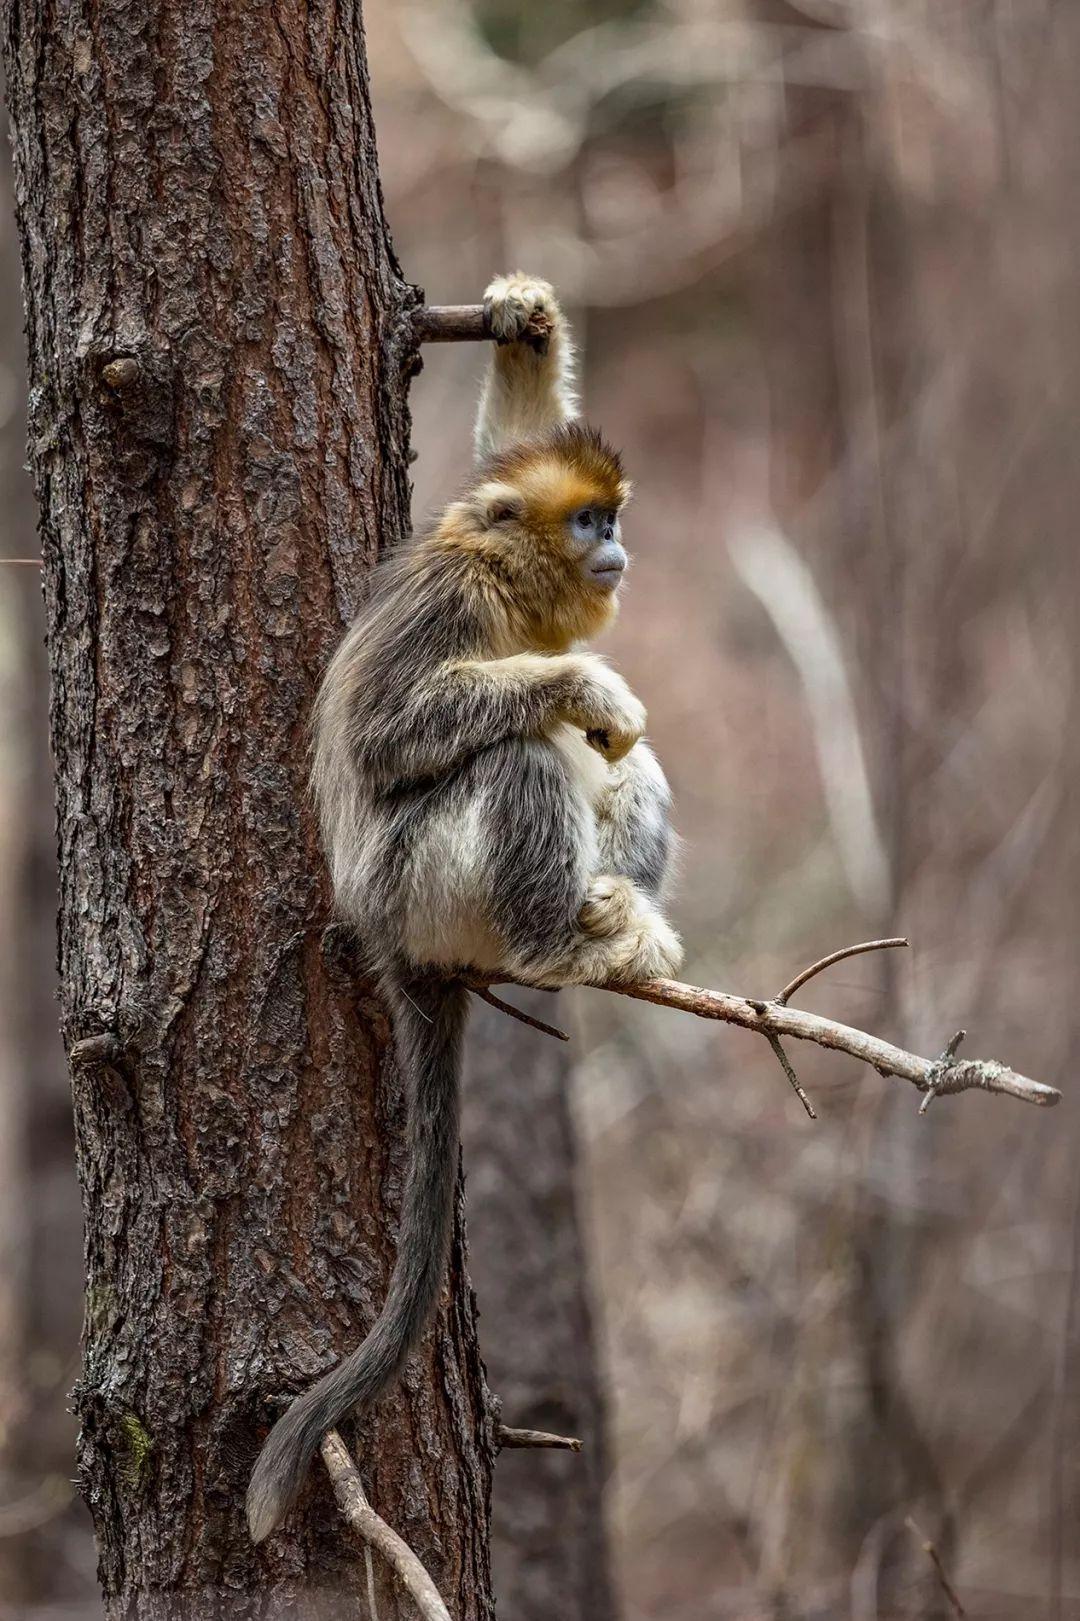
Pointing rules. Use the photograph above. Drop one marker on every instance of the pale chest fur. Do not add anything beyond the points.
(590, 771)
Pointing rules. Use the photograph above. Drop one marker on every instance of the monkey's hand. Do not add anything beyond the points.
(607, 711)
(522, 309)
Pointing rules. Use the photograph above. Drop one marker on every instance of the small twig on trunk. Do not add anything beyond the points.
(929, 1549)
(486, 994)
(936, 1077)
(106, 1048)
(353, 1503)
(451, 323)
(505, 1436)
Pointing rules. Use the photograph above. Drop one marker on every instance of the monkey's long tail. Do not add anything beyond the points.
(429, 1021)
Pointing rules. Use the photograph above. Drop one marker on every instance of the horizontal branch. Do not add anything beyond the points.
(936, 1077)
(353, 1503)
(507, 1436)
(451, 323)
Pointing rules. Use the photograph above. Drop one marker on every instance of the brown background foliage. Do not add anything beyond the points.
(822, 260)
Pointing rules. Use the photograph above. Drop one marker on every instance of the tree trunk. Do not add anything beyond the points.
(219, 440)
(549, 1548)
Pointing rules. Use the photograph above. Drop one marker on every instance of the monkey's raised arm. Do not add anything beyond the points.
(468, 704)
(529, 386)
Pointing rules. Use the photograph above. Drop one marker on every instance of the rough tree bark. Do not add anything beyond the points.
(219, 441)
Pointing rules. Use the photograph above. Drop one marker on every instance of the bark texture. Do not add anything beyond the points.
(219, 440)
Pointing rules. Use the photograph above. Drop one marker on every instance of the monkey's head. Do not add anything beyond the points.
(544, 518)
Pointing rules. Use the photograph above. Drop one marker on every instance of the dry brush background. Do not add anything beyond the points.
(824, 261)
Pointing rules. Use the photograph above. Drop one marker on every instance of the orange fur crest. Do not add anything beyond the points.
(569, 467)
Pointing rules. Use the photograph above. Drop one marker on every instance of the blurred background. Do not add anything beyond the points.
(823, 262)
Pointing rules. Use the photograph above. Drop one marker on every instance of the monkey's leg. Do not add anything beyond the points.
(634, 836)
(559, 924)
(529, 386)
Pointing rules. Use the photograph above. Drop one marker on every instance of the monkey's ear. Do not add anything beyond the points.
(499, 503)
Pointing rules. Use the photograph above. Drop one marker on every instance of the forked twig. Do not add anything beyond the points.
(353, 1503)
(936, 1077)
(800, 979)
(942, 1067)
(927, 1074)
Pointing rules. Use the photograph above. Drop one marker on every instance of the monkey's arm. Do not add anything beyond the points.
(529, 386)
(469, 704)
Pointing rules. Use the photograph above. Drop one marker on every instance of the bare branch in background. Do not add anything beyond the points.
(770, 567)
(929, 1549)
(49, 1498)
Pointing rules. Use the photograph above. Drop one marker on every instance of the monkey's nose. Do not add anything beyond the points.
(607, 564)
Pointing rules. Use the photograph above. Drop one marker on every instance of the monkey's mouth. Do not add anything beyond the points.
(607, 578)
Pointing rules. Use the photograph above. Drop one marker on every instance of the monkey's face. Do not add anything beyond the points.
(594, 541)
(545, 516)
(565, 551)
(558, 554)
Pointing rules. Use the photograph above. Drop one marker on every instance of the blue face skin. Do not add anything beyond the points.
(594, 532)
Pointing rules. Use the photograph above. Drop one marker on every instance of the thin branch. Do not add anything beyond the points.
(486, 994)
(353, 1503)
(451, 323)
(927, 1074)
(937, 1077)
(508, 1437)
(929, 1549)
(835, 956)
(796, 1084)
(49, 1498)
(771, 567)
(22, 562)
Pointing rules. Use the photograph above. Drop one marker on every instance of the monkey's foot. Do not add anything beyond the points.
(609, 907)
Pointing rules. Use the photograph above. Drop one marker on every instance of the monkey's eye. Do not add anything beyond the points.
(583, 519)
